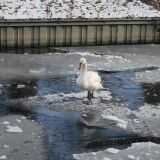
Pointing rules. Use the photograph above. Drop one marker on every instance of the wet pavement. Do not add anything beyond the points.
(41, 88)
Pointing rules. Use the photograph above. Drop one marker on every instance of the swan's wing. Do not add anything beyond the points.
(93, 76)
(94, 80)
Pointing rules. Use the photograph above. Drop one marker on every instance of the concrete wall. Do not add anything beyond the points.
(78, 32)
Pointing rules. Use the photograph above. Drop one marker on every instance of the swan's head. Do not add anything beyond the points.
(82, 64)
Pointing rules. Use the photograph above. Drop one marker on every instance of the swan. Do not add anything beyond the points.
(88, 80)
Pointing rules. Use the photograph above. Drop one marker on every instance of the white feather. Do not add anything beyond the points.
(89, 80)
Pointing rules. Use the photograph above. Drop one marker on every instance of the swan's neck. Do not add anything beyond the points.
(83, 70)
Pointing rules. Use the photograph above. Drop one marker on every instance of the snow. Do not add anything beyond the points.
(3, 157)
(49, 9)
(6, 146)
(131, 156)
(113, 150)
(137, 151)
(83, 54)
(148, 76)
(121, 123)
(38, 71)
(53, 65)
(23, 117)
(19, 86)
(106, 158)
(93, 153)
(18, 120)
(14, 129)
(147, 111)
(144, 121)
(61, 96)
(5, 122)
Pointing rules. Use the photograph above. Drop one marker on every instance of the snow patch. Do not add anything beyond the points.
(23, 117)
(18, 120)
(19, 86)
(121, 123)
(38, 71)
(3, 157)
(93, 153)
(148, 76)
(14, 129)
(147, 111)
(83, 54)
(106, 158)
(6, 146)
(131, 156)
(5, 122)
(47, 9)
(61, 96)
(113, 150)
(111, 58)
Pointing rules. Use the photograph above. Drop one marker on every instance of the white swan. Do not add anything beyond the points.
(88, 80)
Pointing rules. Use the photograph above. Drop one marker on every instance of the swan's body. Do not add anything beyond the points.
(88, 80)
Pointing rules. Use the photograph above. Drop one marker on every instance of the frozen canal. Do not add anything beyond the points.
(42, 114)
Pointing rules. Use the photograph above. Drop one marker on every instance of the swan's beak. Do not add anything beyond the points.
(80, 66)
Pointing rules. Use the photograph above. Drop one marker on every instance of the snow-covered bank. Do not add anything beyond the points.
(48, 9)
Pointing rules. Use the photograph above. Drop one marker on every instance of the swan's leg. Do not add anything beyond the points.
(89, 95)
(92, 95)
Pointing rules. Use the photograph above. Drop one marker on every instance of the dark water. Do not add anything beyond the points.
(64, 135)
(35, 50)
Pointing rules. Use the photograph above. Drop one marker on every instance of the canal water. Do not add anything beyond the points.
(63, 133)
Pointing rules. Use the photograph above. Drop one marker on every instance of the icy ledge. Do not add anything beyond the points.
(138, 151)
